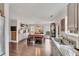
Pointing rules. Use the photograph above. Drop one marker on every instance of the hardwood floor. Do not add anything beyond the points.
(28, 49)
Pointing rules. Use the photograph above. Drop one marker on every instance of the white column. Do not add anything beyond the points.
(65, 24)
(18, 35)
(56, 30)
(7, 30)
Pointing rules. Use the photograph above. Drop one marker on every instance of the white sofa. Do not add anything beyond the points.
(65, 50)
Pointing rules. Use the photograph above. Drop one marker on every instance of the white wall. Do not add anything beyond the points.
(13, 22)
(7, 29)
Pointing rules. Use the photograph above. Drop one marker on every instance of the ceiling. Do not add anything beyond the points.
(35, 11)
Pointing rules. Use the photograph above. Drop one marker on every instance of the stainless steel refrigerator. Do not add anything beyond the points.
(2, 37)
